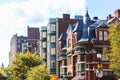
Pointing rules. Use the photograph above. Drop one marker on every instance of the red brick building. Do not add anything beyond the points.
(81, 50)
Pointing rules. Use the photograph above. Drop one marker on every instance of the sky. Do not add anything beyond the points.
(15, 15)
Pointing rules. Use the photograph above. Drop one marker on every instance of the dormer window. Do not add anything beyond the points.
(103, 35)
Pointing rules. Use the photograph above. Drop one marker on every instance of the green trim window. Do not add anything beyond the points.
(52, 27)
(44, 45)
(52, 38)
(44, 34)
(52, 50)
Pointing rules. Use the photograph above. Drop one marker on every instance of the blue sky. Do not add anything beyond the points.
(15, 15)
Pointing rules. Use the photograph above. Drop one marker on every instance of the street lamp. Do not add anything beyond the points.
(99, 67)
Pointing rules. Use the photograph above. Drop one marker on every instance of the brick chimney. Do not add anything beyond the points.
(66, 16)
(109, 17)
(117, 13)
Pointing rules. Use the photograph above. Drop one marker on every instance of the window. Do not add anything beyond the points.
(69, 43)
(53, 27)
(44, 44)
(80, 69)
(81, 57)
(25, 41)
(103, 35)
(44, 34)
(53, 64)
(52, 50)
(100, 35)
(18, 40)
(18, 45)
(44, 55)
(69, 60)
(52, 38)
(64, 63)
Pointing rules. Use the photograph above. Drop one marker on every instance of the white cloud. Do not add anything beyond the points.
(15, 16)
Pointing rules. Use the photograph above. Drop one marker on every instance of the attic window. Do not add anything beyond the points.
(103, 35)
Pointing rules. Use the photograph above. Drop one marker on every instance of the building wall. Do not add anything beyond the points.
(24, 43)
(43, 42)
(61, 26)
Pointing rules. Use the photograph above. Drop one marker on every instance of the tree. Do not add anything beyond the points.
(3, 75)
(22, 64)
(38, 73)
(114, 38)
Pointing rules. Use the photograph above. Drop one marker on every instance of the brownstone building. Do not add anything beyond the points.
(81, 50)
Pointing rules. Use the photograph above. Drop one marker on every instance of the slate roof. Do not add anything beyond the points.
(78, 26)
(63, 36)
(70, 28)
(109, 21)
(92, 27)
(99, 23)
(64, 45)
(113, 19)
(91, 33)
(87, 22)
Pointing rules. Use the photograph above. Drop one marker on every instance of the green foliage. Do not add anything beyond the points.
(22, 64)
(3, 75)
(38, 73)
(114, 38)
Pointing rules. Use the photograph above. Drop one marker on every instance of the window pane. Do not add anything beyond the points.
(18, 40)
(18, 45)
(44, 44)
(52, 38)
(105, 35)
(100, 38)
(53, 27)
(53, 64)
(44, 34)
(52, 50)
(100, 35)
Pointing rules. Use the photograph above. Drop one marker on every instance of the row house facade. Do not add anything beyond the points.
(54, 28)
(79, 48)
(24, 43)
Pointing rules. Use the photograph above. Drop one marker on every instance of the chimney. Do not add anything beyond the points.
(117, 13)
(66, 16)
(95, 18)
(109, 17)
